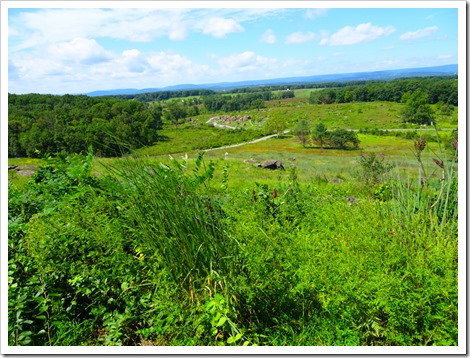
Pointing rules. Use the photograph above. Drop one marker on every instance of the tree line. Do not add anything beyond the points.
(164, 95)
(246, 101)
(437, 89)
(40, 124)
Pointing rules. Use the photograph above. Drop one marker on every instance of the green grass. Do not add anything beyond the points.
(310, 162)
(186, 253)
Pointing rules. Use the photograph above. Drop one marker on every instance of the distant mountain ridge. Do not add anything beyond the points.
(444, 70)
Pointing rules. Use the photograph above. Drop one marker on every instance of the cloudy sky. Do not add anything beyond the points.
(78, 50)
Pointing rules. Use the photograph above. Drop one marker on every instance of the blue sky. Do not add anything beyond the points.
(77, 50)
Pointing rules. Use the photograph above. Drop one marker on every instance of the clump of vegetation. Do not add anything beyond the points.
(417, 109)
(338, 138)
(160, 254)
(373, 168)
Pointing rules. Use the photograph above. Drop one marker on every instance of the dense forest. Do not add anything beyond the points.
(164, 95)
(437, 89)
(238, 102)
(48, 124)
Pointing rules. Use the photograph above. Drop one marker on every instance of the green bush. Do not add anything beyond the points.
(161, 254)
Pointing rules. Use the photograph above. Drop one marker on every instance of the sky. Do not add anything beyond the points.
(78, 50)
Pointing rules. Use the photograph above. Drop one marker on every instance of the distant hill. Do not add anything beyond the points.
(341, 77)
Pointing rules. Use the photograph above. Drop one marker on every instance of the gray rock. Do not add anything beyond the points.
(272, 164)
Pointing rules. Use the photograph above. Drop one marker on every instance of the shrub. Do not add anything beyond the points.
(372, 168)
(343, 139)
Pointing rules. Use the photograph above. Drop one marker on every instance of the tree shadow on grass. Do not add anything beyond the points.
(162, 138)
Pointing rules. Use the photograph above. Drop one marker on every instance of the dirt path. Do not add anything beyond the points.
(243, 143)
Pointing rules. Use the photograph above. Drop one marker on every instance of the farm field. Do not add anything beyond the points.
(171, 245)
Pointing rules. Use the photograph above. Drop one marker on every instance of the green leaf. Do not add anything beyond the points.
(233, 339)
(24, 334)
(124, 286)
(221, 321)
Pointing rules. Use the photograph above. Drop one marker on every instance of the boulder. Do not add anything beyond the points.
(271, 164)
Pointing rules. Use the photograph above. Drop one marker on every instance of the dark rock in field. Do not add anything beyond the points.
(352, 199)
(13, 167)
(271, 164)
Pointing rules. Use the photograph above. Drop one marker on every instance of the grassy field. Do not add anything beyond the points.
(207, 249)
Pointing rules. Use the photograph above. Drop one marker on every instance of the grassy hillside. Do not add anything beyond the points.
(342, 248)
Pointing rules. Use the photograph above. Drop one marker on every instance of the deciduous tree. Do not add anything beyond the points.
(302, 131)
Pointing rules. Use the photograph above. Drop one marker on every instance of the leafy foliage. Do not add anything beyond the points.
(417, 108)
(338, 138)
(103, 260)
(437, 89)
(373, 168)
(302, 132)
(50, 124)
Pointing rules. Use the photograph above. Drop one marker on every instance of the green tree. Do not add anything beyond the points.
(155, 109)
(257, 103)
(343, 139)
(174, 112)
(302, 131)
(276, 125)
(320, 134)
(417, 109)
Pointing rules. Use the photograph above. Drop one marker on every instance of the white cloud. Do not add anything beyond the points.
(53, 25)
(79, 50)
(168, 64)
(353, 35)
(244, 62)
(314, 13)
(133, 61)
(46, 26)
(219, 27)
(414, 35)
(269, 37)
(300, 37)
